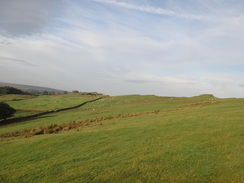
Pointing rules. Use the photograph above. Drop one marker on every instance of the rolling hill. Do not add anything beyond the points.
(124, 139)
(29, 88)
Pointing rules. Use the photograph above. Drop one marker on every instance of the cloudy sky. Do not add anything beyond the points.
(118, 47)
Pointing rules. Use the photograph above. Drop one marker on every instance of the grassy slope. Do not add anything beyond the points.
(28, 105)
(44, 102)
(109, 106)
(194, 144)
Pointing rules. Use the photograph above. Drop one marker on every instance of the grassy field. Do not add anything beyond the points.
(28, 105)
(45, 102)
(136, 139)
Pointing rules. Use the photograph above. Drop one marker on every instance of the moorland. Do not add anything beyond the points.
(132, 138)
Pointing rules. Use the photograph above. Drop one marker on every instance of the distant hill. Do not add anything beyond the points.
(29, 88)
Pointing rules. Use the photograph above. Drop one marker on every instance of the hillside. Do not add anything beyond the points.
(130, 138)
(29, 88)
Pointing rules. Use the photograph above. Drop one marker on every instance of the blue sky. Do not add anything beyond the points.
(118, 47)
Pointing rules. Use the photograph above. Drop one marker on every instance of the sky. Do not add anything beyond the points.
(119, 47)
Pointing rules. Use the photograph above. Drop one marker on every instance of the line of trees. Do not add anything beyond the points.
(37, 93)
(87, 93)
(11, 90)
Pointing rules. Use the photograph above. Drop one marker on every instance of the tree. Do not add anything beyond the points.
(6, 111)
(10, 90)
(75, 91)
(45, 92)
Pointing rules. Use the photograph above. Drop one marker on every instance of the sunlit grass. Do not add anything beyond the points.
(108, 106)
(45, 102)
(195, 144)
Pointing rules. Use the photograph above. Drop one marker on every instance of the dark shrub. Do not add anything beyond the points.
(6, 111)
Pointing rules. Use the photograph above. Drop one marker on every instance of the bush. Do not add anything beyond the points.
(6, 111)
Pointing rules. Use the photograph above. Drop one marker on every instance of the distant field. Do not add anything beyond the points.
(108, 106)
(138, 139)
(28, 105)
(44, 102)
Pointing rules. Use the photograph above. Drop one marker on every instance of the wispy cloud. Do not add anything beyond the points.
(177, 48)
(150, 9)
(4, 42)
(23, 62)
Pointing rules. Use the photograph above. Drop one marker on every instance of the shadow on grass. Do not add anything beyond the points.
(22, 119)
(40, 115)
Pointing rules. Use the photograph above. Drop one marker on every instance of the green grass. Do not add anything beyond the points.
(45, 102)
(110, 106)
(189, 140)
(28, 105)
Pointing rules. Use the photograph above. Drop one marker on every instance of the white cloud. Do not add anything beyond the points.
(24, 62)
(153, 10)
(181, 85)
(98, 47)
(26, 17)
